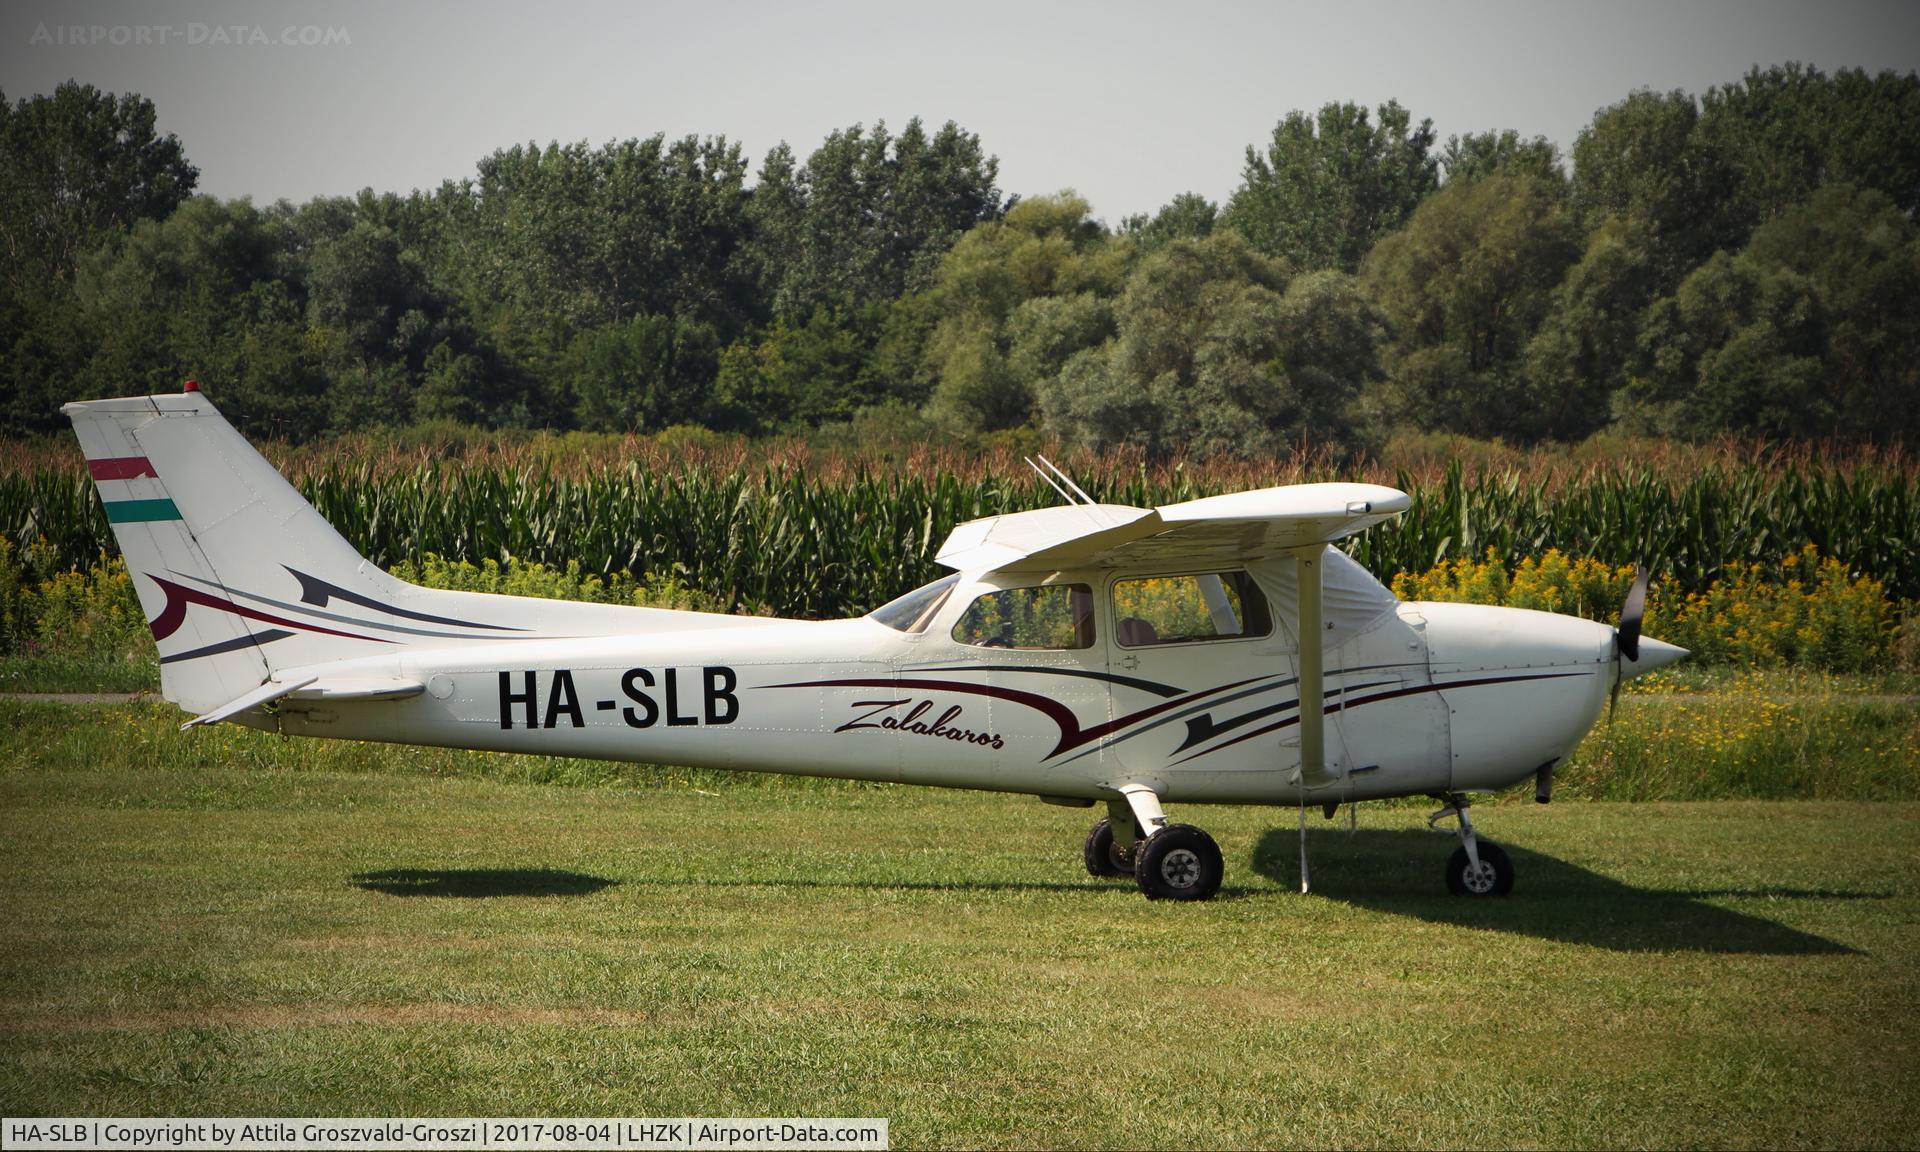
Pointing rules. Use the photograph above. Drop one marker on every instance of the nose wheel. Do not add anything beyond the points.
(1491, 875)
(1478, 867)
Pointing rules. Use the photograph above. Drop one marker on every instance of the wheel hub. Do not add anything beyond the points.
(1479, 878)
(1180, 868)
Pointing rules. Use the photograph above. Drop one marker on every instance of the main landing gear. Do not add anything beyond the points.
(1478, 867)
(1169, 862)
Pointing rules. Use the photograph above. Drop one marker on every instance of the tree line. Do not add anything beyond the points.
(1741, 261)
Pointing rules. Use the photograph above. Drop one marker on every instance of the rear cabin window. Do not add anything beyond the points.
(1186, 609)
(1056, 616)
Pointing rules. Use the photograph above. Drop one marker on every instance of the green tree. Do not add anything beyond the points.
(75, 167)
(1331, 340)
(1808, 332)
(1479, 154)
(1043, 333)
(1586, 345)
(1045, 247)
(453, 386)
(1188, 214)
(897, 372)
(360, 291)
(867, 217)
(1861, 252)
(1643, 160)
(1785, 131)
(797, 374)
(1465, 285)
(646, 373)
(1736, 348)
(571, 237)
(203, 294)
(1216, 352)
(1327, 187)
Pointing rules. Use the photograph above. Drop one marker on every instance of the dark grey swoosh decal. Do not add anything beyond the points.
(318, 592)
(236, 644)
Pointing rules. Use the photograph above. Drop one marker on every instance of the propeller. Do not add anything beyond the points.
(1626, 636)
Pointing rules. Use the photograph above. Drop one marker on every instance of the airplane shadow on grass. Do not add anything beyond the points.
(1398, 871)
(480, 883)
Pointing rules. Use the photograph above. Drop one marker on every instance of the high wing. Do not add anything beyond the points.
(1232, 529)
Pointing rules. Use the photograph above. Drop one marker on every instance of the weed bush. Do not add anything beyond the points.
(1815, 613)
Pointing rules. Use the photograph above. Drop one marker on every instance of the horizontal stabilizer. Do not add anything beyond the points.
(334, 689)
(359, 688)
(265, 694)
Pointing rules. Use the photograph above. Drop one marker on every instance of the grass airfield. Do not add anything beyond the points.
(228, 926)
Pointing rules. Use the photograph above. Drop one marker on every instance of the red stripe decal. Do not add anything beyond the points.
(121, 468)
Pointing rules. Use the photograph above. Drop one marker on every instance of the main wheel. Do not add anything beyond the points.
(1494, 877)
(1179, 862)
(1104, 857)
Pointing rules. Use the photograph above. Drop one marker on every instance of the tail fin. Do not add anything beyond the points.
(240, 577)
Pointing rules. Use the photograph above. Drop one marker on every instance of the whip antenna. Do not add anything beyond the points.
(1068, 481)
(1043, 475)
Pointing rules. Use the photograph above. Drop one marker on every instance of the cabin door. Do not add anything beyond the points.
(1200, 684)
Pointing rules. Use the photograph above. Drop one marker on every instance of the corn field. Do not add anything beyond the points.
(780, 537)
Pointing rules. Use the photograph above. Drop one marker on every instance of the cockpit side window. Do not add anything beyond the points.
(914, 611)
(1049, 616)
(1187, 609)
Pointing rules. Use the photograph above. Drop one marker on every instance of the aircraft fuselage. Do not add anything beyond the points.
(1437, 698)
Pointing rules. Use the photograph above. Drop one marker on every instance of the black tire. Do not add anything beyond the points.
(1179, 862)
(1461, 881)
(1104, 857)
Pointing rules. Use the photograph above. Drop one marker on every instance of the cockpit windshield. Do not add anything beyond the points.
(914, 611)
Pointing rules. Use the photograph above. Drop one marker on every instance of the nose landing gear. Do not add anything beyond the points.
(1478, 867)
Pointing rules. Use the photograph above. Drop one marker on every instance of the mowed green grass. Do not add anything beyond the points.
(191, 925)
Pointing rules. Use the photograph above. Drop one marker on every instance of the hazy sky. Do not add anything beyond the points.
(1128, 103)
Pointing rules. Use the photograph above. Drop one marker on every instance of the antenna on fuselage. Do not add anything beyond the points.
(1050, 483)
(1068, 481)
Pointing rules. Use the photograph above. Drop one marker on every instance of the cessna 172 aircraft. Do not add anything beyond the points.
(1085, 654)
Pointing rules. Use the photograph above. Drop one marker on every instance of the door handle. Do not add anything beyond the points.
(1129, 662)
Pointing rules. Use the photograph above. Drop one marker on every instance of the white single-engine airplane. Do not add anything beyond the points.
(1083, 654)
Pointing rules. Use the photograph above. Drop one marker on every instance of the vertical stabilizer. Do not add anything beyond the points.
(227, 557)
(242, 579)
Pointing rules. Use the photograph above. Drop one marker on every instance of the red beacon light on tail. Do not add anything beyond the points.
(190, 386)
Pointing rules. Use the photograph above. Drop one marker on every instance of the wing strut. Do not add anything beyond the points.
(1310, 633)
